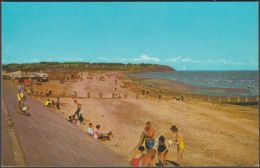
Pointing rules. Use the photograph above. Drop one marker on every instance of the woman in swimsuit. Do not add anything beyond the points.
(162, 148)
(137, 156)
(179, 142)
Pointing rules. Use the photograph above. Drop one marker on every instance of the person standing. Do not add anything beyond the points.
(147, 91)
(58, 103)
(143, 90)
(78, 109)
(20, 95)
(147, 136)
(179, 142)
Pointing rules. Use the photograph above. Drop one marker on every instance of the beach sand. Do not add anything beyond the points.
(214, 135)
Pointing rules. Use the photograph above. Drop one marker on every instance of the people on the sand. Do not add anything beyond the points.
(147, 91)
(116, 92)
(78, 108)
(160, 94)
(47, 93)
(25, 108)
(81, 119)
(143, 90)
(147, 136)
(20, 95)
(137, 156)
(162, 146)
(90, 131)
(52, 104)
(48, 103)
(58, 103)
(102, 136)
(148, 159)
(74, 95)
(179, 142)
(125, 95)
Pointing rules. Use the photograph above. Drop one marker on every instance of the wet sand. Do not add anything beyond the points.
(214, 135)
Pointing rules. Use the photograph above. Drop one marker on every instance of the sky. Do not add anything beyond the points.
(183, 35)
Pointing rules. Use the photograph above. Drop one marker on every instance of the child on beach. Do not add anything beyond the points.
(48, 103)
(162, 148)
(47, 93)
(25, 108)
(179, 142)
(101, 136)
(137, 156)
(90, 131)
(52, 104)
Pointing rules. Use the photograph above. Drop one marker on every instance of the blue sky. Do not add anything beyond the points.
(183, 35)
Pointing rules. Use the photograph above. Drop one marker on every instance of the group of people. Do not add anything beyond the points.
(118, 95)
(161, 145)
(53, 104)
(93, 133)
(147, 92)
(22, 108)
(97, 135)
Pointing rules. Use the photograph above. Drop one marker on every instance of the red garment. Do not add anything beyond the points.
(135, 162)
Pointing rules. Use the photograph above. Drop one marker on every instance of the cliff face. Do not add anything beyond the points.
(159, 68)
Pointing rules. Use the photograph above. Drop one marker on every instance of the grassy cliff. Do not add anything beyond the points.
(78, 66)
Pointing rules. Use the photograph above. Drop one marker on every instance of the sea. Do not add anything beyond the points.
(216, 83)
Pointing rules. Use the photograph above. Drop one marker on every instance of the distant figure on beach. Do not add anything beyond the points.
(47, 92)
(147, 91)
(125, 95)
(147, 136)
(179, 142)
(147, 160)
(162, 146)
(52, 104)
(116, 92)
(78, 109)
(74, 95)
(160, 94)
(58, 103)
(143, 90)
(29, 91)
(90, 131)
(137, 156)
(48, 103)
(116, 81)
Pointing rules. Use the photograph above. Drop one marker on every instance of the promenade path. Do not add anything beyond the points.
(47, 139)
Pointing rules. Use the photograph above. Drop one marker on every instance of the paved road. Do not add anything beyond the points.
(47, 139)
(7, 153)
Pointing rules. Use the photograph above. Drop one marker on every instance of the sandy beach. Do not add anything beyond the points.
(214, 135)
